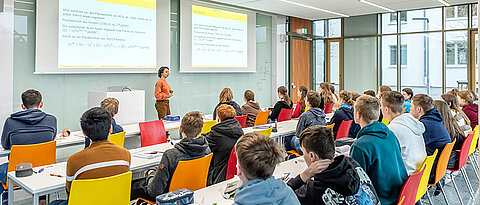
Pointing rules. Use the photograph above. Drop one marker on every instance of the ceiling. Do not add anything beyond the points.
(347, 7)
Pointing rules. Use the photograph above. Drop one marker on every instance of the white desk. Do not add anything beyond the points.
(213, 194)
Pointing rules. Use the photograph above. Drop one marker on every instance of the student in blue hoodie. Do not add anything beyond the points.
(257, 157)
(377, 150)
(111, 105)
(344, 113)
(29, 126)
(313, 116)
(407, 94)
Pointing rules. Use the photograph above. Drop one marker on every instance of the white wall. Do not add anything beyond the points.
(6, 61)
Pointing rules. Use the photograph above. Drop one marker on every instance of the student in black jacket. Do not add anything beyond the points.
(329, 180)
(226, 97)
(221, 140)
(284, 103)
(190, 147)
(345, 113)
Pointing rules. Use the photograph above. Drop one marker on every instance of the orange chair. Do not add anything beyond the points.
(331, 126)
(152, 133)
(344, 129)
(328, 108)
(183, 177)
(262, 118)
(232, 165)
(242, 120)
(428, 162)
(410, 187)
(404, 109)
(37, 154)
(462, 160)
(284, 115)
(442, 168)
(294, 152)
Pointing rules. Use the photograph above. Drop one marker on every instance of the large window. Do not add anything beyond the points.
(456, 58)
(456, 17)
(334, 28)
(393, 54)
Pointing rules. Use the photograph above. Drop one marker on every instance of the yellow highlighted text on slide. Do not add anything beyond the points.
(217, 13)
(149, 4)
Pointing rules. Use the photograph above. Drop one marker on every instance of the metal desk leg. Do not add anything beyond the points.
(35, 199)
(10, 192)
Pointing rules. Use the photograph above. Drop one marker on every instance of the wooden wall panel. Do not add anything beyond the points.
(297, 24)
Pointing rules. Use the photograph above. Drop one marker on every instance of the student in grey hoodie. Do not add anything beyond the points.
(409, 131)
(257, 157)
(313, 116)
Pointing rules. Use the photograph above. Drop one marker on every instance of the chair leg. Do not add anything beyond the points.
(58, 195)
(474, 163)
(429, 198)
(443, 192)
(469, 186)
(456, 189)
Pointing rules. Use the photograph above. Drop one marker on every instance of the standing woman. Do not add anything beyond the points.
(462, 120)
(466, 99)
(325, 94)
(300, 107)
(162, 93)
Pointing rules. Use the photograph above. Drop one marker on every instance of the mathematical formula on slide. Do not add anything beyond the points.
(107, 45)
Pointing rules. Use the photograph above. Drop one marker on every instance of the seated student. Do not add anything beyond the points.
(462, 120)
(251, 107)
(31, 125)
(407, 94)
(475, 97)
(313, 116)
(370, 92)
(344, 113)
(257, 157)
(111, 105)
(453, 129)
(190, 147)
(300, 107)
(325, 94)
(466, 100)
(382, 89)
(226, 97)
(284, 103)
(454, 91)
(407, 129)
(327, 177)
(377, 150)
(221, 140)
(90, 162)
(334, 95)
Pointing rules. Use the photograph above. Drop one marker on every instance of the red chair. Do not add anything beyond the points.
(242, 120)
(232, 165)
(408, 194)
(152, 133)
(285, 114)
(462, 160)
(344, 129)
(328, 108)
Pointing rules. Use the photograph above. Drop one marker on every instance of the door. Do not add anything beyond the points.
(301, 50)
(473, 80)
(334, 63)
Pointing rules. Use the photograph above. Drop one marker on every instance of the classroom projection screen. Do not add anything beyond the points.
(102, 36)
(215, 38)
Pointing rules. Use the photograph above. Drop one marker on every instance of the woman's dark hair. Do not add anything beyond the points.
(161, 69)
(346, 96)
(283, 90)
(303, 91)
(452, 101)
(409, 92)
(448, 120)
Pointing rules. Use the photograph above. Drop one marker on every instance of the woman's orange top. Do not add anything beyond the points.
(162, 89)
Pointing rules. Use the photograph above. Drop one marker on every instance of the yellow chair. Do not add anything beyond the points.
(207, 126)
(266, 132)
(183, 177)
(109, 190)
(428, 162)
(385, 121)
(117, 138)
(262, 118)
(474, 141)
(306, 108)
(331, 126)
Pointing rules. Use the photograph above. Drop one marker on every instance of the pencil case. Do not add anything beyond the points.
(177, 197)
(172, 118)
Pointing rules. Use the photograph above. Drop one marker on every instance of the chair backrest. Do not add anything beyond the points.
(404, 109)
(117, 138)
(152, 133)
(331, 126)
(36, 154)
(474, 140)
(242, 120)
(285, 114)
(183, 176)
(408, 193)
(328, 108)
(306, 108)
(108, 190)
(262, 118)
(428, 162)
(266, 132)
(462, 159)
(385, 121)
(232, 165)
(344, 129)
(443, 162)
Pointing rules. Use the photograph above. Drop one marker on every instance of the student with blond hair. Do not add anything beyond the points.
(226, 97)
(466, 100)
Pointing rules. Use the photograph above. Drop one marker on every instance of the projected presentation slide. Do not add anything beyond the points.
(107, 34)
(219, 38)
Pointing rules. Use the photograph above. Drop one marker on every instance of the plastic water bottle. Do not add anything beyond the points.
(274, 129)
